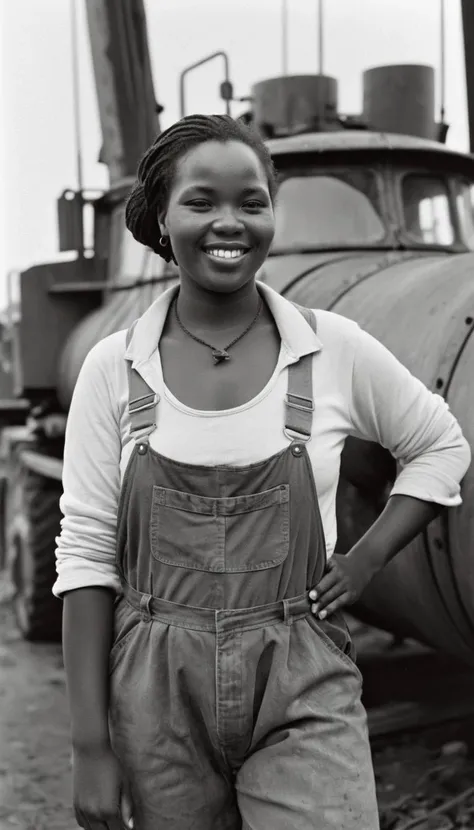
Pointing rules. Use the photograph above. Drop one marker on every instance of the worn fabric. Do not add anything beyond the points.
(235, 720)
(359, 387)
(230, 705)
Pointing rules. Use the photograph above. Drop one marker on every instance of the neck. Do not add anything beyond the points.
(200, 309)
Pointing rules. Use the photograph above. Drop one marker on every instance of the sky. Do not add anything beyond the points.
(38, 151)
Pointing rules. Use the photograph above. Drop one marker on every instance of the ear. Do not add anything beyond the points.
(162, 223)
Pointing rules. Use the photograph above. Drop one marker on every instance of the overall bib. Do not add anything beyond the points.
(231, 706)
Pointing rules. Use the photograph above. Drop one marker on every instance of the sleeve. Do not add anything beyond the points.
(85, 553)
(393, 408)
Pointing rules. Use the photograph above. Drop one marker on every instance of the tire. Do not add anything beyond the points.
(32, 539)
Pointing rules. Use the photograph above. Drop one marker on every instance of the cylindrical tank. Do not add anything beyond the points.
(295, 103)
(400, 99)
(422, 309)
(118, 312)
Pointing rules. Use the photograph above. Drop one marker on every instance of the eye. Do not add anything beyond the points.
(199, 204)
(253, 205)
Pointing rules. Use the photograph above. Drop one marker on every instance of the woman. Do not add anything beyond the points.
(199, 490)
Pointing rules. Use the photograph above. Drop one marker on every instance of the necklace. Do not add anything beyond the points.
(219, 355)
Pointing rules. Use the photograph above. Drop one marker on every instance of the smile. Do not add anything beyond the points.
(225, 254)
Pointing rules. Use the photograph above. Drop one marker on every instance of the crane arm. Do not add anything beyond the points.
(124, 83)
(467, 7)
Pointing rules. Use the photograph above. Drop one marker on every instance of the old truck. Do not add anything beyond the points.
(374, 220)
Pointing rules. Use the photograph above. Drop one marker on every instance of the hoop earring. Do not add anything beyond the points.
(164, 240)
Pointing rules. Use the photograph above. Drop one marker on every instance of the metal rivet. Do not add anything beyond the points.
(297, 449)
(142, 448)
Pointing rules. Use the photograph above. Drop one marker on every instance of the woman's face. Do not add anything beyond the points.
(220, 216)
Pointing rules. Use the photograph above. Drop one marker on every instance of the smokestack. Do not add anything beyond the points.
(295, 104)
(400, 99)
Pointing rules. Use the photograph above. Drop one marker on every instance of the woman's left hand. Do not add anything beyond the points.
(345, 579)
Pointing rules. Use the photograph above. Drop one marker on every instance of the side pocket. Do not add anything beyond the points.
(334, 634)
(126, 620)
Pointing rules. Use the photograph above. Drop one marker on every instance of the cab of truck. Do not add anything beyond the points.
(351, 197)
(355, 188)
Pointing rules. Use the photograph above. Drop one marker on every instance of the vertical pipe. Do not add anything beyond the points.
(182, 96)
(10, 300)
(321, 36)
(442, 62)
(76, 94)
(284, 37)
(227, 79)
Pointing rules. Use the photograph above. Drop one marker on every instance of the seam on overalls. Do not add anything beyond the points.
(217, 684)
(240, 627)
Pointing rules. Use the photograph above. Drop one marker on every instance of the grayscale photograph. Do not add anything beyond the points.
(237, 415)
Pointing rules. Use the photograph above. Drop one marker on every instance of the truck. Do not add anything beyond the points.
(374, 220)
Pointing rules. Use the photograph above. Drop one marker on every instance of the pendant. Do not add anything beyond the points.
(220, 355)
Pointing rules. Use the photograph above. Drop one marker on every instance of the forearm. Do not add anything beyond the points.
(402, 519)
(87, 639)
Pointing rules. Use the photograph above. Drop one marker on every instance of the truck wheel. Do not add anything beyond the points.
(35, 527)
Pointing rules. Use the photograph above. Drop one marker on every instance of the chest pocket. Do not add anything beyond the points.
(224, 535)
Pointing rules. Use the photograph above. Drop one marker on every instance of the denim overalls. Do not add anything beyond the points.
(231, 706)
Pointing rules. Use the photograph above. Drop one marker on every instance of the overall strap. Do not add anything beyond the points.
(299, 404)
(141, 400)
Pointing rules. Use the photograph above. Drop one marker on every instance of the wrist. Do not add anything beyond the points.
(367, 559)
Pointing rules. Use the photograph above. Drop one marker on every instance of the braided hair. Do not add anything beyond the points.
(157, 168)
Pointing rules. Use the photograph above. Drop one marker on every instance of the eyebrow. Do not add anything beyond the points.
(249, 189)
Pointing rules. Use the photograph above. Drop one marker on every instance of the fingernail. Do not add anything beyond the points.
(322, 615)
(313, 595)
(314, 609)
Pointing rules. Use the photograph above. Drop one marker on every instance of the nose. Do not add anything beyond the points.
(228, 222)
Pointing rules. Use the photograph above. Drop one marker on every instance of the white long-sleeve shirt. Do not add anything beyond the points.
(359, 388)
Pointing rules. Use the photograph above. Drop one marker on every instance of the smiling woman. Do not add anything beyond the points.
(157, 170)
(206, 200)
(200, 475)
(220, 206)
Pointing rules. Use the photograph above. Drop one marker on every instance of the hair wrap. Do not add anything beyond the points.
(150, 194)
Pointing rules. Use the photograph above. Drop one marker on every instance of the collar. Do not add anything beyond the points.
(297, 335)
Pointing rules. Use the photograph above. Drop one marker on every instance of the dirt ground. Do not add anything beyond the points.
(425, 781)
(35, 785)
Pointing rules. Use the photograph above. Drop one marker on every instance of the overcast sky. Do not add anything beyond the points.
(38, 156)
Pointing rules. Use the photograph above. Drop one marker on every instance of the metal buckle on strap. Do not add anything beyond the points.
(306, 405)
(152, 400)
(144, 431)
(294, 435)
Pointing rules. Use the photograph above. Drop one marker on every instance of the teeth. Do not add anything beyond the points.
(226, 254)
